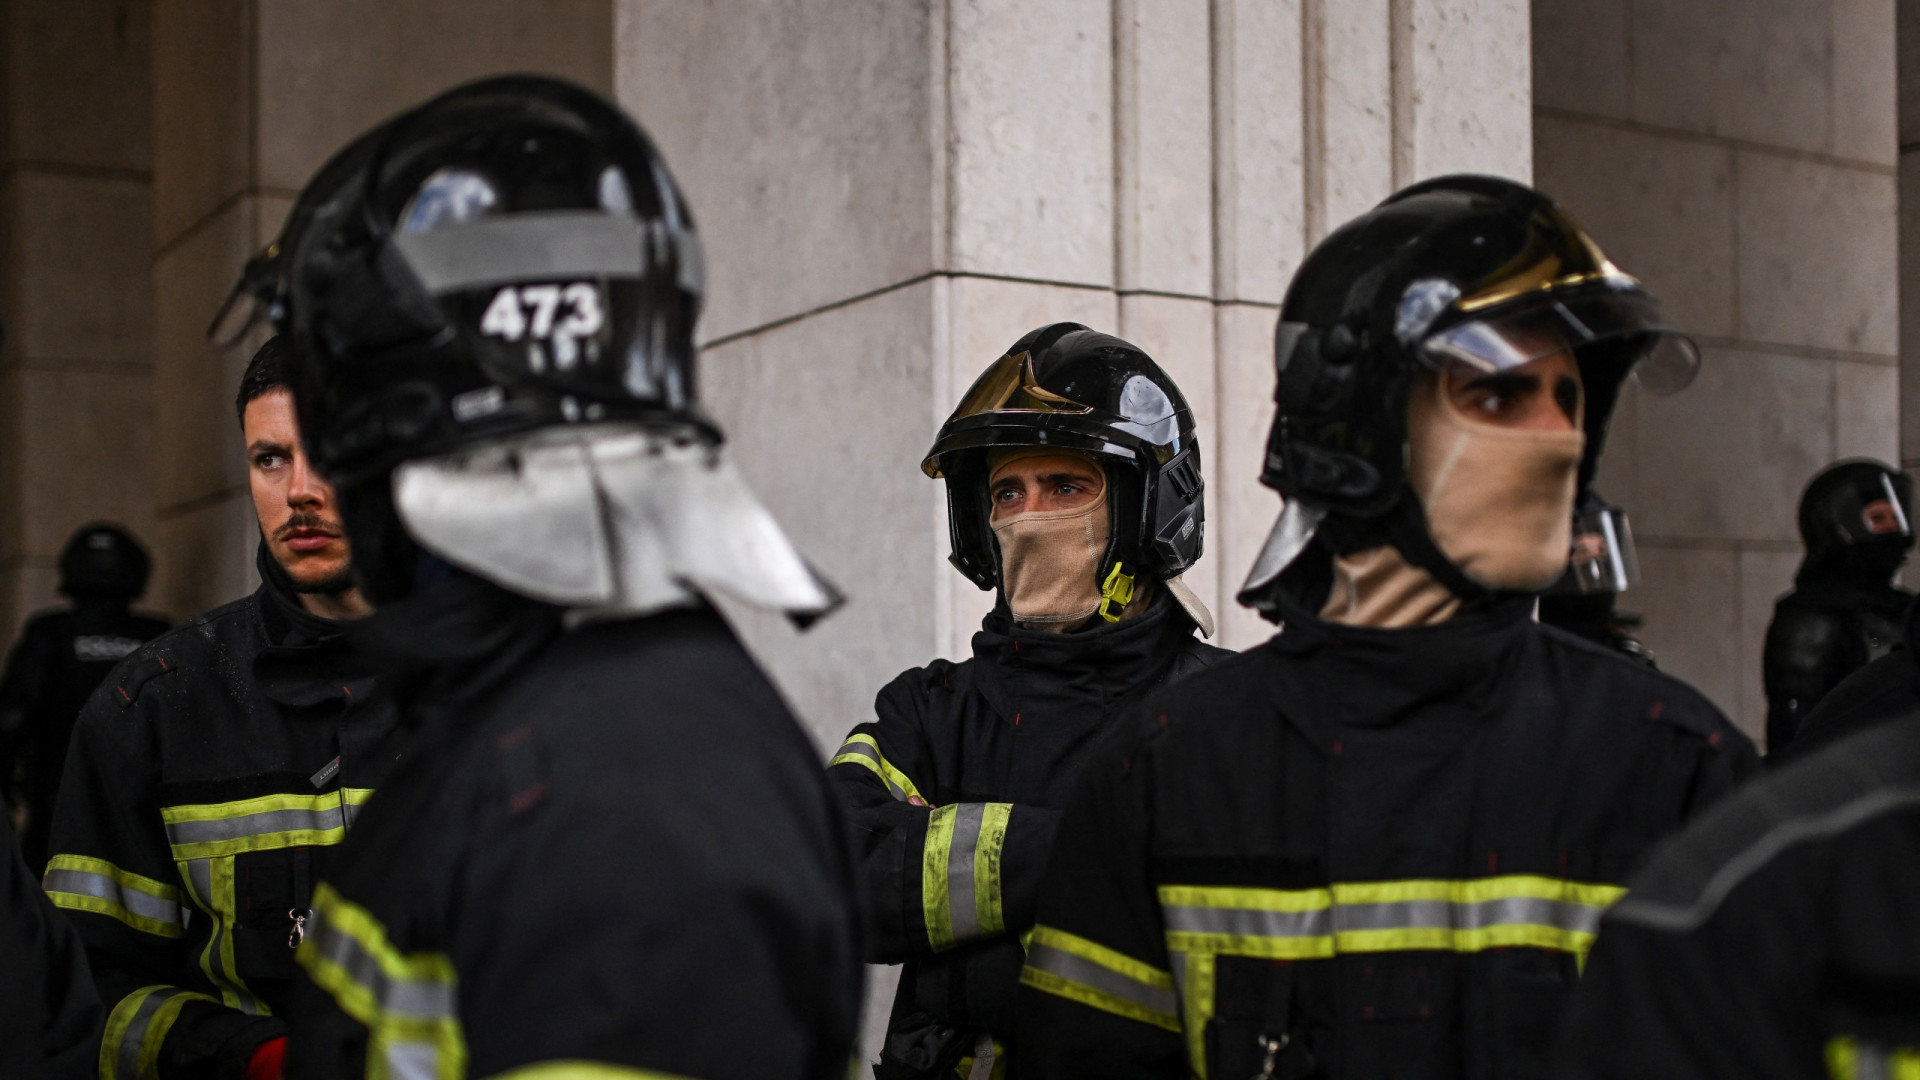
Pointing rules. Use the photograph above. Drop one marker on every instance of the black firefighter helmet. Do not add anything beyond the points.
(1066, 386)
(509, 255)
(1461, 269)
(104, 560)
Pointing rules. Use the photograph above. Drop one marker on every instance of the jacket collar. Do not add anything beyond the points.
(1102, 666)
(456, 641)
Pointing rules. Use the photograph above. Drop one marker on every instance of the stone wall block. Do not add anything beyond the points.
(1866, 411)
(197, 435)
(1581, 57)
(826, 417)
(1759, 70)
(1690, 598)
(1818, 254)
(78, 284)
(330, 69)
(77, 83)
(1661, 208)
(1733, 450)
(1031, 188)
(1906, 43)
(203, 558)
(202, 114)
(1243, 345)
(1464, 99)
(803, 136)
(1178, 334)
(1259, 186)
(93, 430)
(1909, 289)
(1865, 103)
(1163, 145)
(1350, 85)
(1764, 576)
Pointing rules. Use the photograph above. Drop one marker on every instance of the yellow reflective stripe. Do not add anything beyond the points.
(995, 1061)
(934, 900)
(204, 830)
(137, 1028)
(987, 878)
(1069, 966)
(582, 1070)
(1384, 916)
(1196, 986)
(864, 751)
(81, 883)
(408, 1001)
(1853, 1059)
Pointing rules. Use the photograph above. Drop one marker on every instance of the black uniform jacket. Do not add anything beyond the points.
(1830, 626)
(50, 1016)
(1779, 936)
(1885, 689)
(610, 848)
(208, 779)
(992, 745)
(1368, 853)
(62, 657)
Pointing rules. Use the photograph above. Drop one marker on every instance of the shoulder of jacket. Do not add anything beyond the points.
(1819, 800)
(1667, 700)
(180, 647)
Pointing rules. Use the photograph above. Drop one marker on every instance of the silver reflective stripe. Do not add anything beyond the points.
(1248, 922)
(415, 999)
(1078, 969)
(200, 876)
(872, 755)
(100, 886)
(413, 1061)
(530, 246)
(264, 823)
(127, 1054)
(1533, 911)
(1395, 915)
(960, 899)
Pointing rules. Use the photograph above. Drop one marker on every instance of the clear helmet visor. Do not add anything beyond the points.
(1602, 559)
(1875, 512)
(1504, 340)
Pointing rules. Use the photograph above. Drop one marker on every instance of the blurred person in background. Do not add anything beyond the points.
(50, 1016)
(62, 656)
(1844, 611)
(211, 777)
(1603, 565)
(1074, 492)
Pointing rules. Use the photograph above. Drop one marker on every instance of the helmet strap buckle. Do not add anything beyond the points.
(1116, 593)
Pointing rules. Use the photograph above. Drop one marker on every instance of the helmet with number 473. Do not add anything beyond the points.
(508, 256)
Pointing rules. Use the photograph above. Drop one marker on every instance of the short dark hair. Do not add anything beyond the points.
(266, 372)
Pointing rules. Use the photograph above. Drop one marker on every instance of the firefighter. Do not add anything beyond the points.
(50, 1016)
(1379, 844)
(1074, 492)
(1844, 611)
(1777, 937)
(61, 658)
(611, 849)
(210, 776)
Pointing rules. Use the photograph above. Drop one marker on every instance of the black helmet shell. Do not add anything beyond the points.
(509, 255)
(1064, 385)
(1836, 510)
(104, 560)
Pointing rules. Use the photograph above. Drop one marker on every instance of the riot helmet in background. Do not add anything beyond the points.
(1857, 514)
(491, 300)
(1603, 559)
(1066, 387)
(104, 561)
(1461, 270)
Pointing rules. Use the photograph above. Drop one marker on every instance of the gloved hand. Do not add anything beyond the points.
(267, 1059)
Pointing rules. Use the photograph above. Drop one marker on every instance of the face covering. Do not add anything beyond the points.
(1048, 562)
(1499, 501)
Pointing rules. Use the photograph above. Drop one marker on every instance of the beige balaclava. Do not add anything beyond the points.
(1050, 559)
(1499, 505)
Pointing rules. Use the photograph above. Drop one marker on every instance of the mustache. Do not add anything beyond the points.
(310, 521)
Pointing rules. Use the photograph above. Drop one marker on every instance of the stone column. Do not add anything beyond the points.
(76, 383)
(251, 96)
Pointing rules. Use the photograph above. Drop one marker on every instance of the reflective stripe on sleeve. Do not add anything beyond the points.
(408, 1001)
(960, 875)
(864, 751)
(271, 821)
(79, 883)
(1386, 916)
(136, 1029)
(1854, 1059)
(1074, 968)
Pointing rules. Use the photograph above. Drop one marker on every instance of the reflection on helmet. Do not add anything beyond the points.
(104, 560)
(1069, 387)
(1603, 559)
